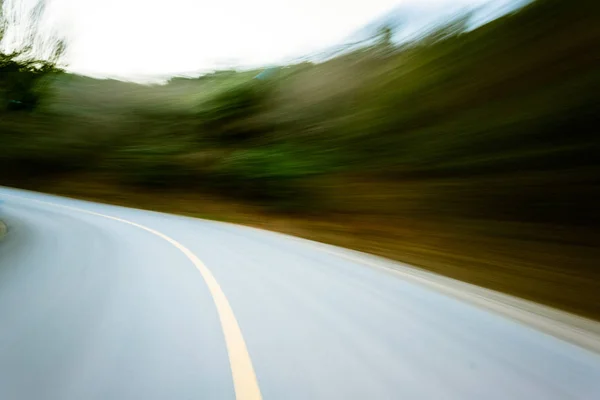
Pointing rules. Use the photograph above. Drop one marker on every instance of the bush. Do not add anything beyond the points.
(272, 175)
(231, 116)
(150, 166)
(23, 82)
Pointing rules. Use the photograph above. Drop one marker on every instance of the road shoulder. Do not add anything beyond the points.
(572, 328)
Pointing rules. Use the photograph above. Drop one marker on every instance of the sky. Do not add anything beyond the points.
(129, 38)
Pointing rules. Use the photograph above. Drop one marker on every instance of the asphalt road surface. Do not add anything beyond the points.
(105, 302)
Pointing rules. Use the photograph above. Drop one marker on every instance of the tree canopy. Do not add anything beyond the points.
(24, 75)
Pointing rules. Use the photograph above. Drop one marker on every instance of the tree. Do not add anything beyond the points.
(24, 75)
(384, 44)
(384, 36)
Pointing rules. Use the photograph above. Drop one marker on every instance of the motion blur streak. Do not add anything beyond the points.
(460, 137)
(470, 151)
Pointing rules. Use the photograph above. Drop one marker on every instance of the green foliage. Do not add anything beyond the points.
(24, 82)
(516, 97)
(149, 165)
(25, 78)
(230, 116)
(271, 174)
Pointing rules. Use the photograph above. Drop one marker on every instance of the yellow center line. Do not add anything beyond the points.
(244, 379)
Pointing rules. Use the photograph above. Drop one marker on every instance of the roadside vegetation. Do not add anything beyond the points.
(474, 154)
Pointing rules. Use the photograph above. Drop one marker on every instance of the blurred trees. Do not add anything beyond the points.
(230, 115)
(24, 81)
(385, 39)
(24, 77)
(516, 97)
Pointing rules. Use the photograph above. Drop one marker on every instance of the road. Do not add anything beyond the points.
(106, 302)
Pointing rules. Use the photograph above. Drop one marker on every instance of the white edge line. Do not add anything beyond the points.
(577, 330)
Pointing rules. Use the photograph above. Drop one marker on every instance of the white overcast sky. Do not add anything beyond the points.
(145, 37)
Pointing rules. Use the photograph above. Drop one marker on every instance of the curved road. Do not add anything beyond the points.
(105, 302)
